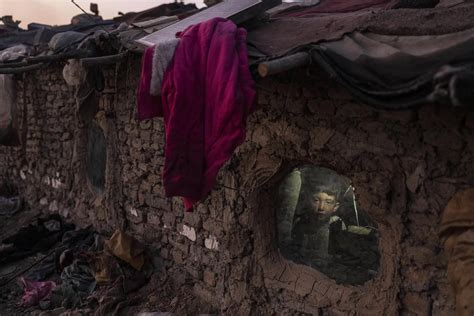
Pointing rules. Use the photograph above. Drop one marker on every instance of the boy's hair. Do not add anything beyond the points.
(316, 179)
(328, 189)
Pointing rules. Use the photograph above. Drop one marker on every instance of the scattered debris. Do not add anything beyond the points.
(74, 270)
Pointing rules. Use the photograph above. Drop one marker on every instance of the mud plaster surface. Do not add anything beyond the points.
(405, 167)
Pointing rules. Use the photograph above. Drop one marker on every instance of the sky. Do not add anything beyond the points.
(58, 12)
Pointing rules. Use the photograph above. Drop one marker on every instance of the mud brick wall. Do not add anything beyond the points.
(405, 167)
(41, 166)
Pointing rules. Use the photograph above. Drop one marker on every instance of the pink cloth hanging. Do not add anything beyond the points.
(207, 94)
(148, 105)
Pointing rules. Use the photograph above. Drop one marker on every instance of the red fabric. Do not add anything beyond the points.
(148, 106)
(36, 291)
(333, 6)
(207, 93)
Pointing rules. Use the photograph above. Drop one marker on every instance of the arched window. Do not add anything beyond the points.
(96, 157)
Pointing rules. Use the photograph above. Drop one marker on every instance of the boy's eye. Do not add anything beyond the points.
(329, 202)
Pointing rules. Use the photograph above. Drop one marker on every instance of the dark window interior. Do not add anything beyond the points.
(96, 157)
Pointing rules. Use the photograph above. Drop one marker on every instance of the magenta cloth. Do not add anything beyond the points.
(148, 106)
(36, 291)
(207, 94)
(333, 6)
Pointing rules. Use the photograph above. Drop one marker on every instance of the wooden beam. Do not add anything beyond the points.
(14, 64)
(154, 22)
(18, 70)
(283, 64)
(103, 60)
(56, 57)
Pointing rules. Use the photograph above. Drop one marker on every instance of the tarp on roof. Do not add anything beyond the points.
(13, 39)
(169, 9)
(280, 36)
(43, 35)
(14, 53)
(400, 71)
(334, 6)
(386, 60)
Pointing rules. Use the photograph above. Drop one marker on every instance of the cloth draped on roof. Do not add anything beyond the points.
(390, 58)
(284, 35)
(148, 104)
(207, 93)
(401, 71)
(334, 6)
(162, 56)
(168, 9)
(14, 53)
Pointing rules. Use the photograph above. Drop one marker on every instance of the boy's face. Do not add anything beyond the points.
(325, 204)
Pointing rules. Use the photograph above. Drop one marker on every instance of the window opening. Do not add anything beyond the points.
(96, 157)
(320, 225)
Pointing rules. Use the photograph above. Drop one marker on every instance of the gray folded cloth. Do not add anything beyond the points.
(162, 56)
(10, 206)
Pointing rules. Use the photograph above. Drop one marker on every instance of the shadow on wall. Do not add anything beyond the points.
(319, 225)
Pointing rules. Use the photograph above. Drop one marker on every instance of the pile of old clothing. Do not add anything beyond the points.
(202, 86)
(83, 271)
(119, 268)
(36, 291)
(38, 237)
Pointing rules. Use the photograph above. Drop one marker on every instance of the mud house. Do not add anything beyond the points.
(376, 100)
